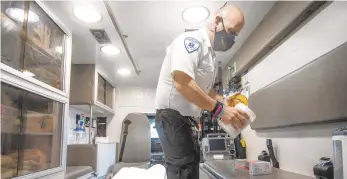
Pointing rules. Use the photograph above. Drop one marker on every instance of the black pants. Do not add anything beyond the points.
(181, 149)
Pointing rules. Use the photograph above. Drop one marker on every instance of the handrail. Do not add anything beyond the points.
(116, 26)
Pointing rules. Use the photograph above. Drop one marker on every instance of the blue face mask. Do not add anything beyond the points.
(222, 40)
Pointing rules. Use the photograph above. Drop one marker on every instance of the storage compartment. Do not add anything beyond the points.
(30, 132)
(315, 93)
(34, 44)
(89, 88)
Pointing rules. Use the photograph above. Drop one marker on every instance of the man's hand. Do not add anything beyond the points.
(235, 117)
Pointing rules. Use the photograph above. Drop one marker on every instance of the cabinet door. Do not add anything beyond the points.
(34, 42)
(105, 92)
(101, 89)
(11, 102)
(44, 48)
(109, 95)
(32, 132)
(12, 17)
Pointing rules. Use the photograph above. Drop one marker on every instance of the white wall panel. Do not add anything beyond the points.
(130, 100)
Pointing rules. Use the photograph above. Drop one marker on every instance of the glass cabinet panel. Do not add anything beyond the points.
(30, 132)
(12, 17)
(10, 130)
(34, 42)
(109, 95)
(101, 89)
(44, 48)
(105, 92)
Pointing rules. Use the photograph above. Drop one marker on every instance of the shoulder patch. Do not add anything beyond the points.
(191, 44)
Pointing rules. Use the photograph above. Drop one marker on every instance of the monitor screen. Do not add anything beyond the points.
(156, 147)
(217, 144)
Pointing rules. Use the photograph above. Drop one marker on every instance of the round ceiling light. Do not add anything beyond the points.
(110, 50)
(124, 72)
(87, 14)
(195, 14)
(17, 14)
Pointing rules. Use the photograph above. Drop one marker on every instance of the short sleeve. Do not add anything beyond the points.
(185, 55)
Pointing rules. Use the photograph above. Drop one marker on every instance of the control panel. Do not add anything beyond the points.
(218, 147)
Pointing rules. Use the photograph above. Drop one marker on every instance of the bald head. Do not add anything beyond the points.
(233, 18)
(226, 24)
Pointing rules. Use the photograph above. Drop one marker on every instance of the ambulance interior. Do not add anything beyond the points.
(78, 85)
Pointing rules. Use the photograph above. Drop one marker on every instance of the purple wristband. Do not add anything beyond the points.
(221, 113)
(218, 110)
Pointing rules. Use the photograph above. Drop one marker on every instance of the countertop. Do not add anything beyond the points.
(220, 169)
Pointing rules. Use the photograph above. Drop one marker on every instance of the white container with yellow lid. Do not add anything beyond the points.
(240, 102)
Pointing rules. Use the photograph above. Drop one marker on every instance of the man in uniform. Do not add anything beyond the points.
(185, 87)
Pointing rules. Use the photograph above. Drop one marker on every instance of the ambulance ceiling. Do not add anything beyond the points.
(149, 27)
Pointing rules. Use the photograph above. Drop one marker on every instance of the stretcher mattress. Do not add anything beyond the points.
(155, 172)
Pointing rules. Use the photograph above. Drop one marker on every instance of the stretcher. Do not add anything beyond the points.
(155, 172)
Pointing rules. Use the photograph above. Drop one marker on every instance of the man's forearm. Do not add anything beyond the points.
(193, 93)
(213, 94)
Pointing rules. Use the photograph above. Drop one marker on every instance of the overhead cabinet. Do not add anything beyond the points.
(283, 19)
(90, 88)
(314, 93)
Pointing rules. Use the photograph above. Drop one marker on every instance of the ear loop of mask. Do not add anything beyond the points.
(215, 29)
(223, 25)
(224, 5)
